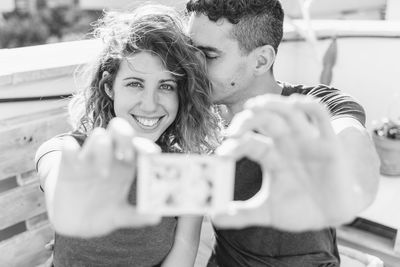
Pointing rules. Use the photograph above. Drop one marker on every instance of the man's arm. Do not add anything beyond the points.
(363, 161)
(318, 173)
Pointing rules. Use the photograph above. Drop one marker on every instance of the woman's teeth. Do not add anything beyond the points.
(146, 121)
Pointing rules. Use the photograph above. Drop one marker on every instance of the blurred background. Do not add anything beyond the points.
(33, 22)
(331, 37)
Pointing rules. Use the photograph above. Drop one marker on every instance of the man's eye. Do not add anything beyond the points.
(211, 56)
(135, 84)
(166, 87)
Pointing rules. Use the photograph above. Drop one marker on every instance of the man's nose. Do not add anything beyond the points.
(149, 101)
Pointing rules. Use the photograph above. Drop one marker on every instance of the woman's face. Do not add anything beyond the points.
(145, 94)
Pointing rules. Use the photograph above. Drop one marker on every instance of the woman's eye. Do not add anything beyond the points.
(166, 87)
(135, 84)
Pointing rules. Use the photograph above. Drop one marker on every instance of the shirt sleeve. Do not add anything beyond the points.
(52, 145)
(338, 103)
(55, 144)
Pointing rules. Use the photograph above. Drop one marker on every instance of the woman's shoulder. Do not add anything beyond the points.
(55, 144)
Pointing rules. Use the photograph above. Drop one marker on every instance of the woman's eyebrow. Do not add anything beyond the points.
(168, 80)
(131, 78)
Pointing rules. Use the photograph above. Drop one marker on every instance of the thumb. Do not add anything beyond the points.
(240, 214)
(232, 218)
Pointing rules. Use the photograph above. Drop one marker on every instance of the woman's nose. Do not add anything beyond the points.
(149, 101)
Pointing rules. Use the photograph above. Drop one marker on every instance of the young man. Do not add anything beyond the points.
(317, 166)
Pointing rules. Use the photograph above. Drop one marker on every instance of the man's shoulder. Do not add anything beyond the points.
(319, 90)
(337, 102)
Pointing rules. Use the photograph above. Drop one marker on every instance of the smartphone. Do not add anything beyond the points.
(177, 184)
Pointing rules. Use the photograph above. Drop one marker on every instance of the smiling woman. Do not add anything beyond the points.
(148, 75)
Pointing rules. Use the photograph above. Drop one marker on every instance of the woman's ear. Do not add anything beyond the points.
(107, 89)
(264, 59)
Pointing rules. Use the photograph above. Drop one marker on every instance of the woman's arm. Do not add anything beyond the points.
(91, 185)
(47, 162)
(187, 238)
(47, 168)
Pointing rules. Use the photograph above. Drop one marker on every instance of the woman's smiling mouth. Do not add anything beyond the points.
(146, 122)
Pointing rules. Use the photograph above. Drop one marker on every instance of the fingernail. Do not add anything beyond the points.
(125, 155)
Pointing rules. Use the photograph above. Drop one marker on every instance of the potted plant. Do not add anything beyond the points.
(386, 137)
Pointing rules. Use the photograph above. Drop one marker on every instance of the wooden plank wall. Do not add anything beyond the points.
(24, 228)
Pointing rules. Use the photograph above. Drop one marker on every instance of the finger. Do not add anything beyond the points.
(91, 143)
(97, 150)
(319, 115)
(234, 221)
(264, 122)
(251, 212)
(242, 214)
(145, 146)
(244, 146)
(127, 216)
(121, 133)
(266, 99)
(256, 147)
(285, 107)
(261, 100)
(69, 149)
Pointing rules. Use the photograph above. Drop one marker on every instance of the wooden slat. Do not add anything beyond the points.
(10, 122)
(13, 230)
(28, 177)
(8, 184)
(20, 204)
(13, 166)
(37, 221)
(21, 136)
(26, 249)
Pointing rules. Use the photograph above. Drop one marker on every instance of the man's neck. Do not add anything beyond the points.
(266, 87)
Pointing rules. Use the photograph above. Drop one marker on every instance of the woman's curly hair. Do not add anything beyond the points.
(158, 30)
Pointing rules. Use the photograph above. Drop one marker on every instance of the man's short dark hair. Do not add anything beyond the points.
(256, 22)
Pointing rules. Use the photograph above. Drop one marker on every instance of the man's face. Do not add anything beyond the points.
(228, 68)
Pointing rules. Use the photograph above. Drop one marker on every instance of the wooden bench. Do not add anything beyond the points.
(24, 228)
